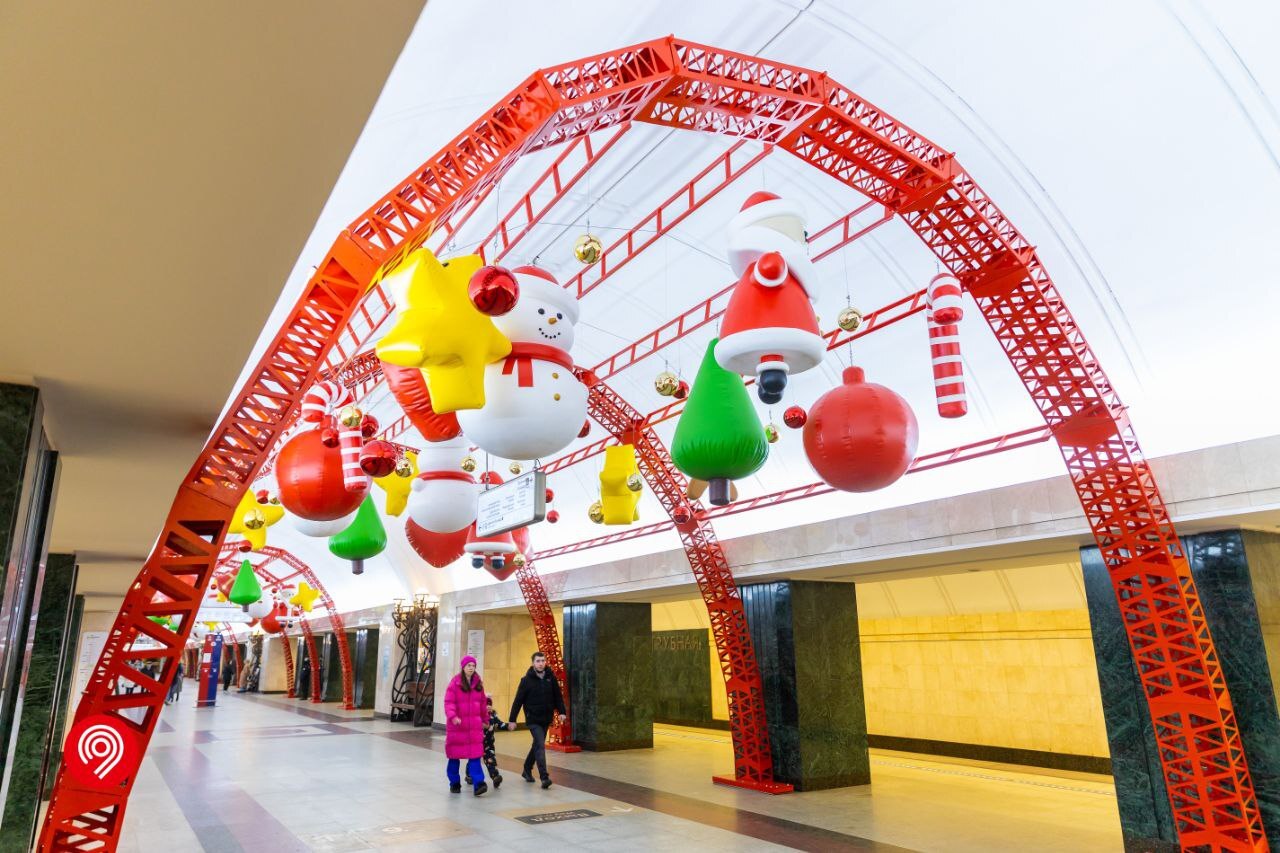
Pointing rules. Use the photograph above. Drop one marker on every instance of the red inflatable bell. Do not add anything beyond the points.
(860, 436)
(310, 477)
(438, 549)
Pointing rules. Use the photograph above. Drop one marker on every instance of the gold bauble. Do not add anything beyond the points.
(275, 500)
(849, 319)
(515, 468)
(404, 468)
(588, 249)
(595, 512)
(770, 433)
(666, 383)
(350, 416)
(518, 560)
(468, 464)
(635, 482)
(255, 519)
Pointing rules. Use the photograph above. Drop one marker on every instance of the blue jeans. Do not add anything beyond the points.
(473, 770)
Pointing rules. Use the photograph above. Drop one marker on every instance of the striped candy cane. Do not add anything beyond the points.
(944, 298)
(948, 369)
(318, 404)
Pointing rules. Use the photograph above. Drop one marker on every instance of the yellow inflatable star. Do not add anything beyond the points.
(397, 487)
(305, 597)
(267, 515)
(618, 498)
(438, 329)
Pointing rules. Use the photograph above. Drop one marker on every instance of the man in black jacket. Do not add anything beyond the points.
(539, 694)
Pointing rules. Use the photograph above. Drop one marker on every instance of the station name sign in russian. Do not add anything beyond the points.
(517, 503)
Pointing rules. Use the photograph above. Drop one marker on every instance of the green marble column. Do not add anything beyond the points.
(806, 641)
(39, 703)
(609, 657)
(302, 669)
(1237, 574)
(66, 676)
(331, 674)
(364, 666)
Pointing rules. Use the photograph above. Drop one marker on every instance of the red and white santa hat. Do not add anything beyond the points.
(542, 285)
(768, 223)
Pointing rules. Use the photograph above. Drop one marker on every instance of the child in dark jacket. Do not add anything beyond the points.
(490, 749)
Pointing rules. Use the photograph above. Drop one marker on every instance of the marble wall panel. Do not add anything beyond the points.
(609, 655)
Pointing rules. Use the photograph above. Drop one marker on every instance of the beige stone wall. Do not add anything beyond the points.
(508, 643)
(1025, 680)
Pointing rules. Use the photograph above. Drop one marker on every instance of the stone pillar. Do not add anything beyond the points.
(302, 667)
(364, 667)
(331, 675)
(275, 676)
(1237, 574)
(806, 641)
(28, 483)
(66, 676)
(39, 703)
(609, 657)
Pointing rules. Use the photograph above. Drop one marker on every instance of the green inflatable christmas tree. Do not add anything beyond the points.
(365, 537)
(718, 438)
(246, 589)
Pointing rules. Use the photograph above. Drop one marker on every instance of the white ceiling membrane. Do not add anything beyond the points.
(1141, 158)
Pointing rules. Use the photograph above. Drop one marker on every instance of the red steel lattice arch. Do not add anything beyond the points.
(678, 84)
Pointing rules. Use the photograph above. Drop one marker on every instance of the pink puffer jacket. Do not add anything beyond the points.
(465, 740)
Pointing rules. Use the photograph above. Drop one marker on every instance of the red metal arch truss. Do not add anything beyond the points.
(231, 555)
(693, 87)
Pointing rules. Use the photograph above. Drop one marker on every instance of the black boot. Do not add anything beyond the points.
(527, 776)
(455, 789)
(481, 789)
(546, 783)
(497, 782)
(770, 384)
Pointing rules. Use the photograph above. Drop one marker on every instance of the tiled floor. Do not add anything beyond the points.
(274, 774)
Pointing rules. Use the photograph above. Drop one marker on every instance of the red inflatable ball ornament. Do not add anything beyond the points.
(553, 516)
(378, 458)
(438, 549)
(860, 436)
(586, 429)
(329, 437)
(245, 546)
(682, 390)
(311, 479)
(368, 426)
(493, 290)
(794, 417)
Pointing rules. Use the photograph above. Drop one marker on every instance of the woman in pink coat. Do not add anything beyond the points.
(466, 713)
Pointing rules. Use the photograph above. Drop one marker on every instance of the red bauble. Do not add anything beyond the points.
(245, 546)
(860, 436)
(794, 417)
(493, 290)
(438, 549)
(310, 477)
(224, 584)
(368, 426)
(553, 516)
(682, 514)
(329, 437)
(262, 496)
(682, 390)
(550, 496)
(586, 429)
(378, 458)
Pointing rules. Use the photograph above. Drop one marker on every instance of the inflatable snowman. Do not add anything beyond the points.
(443, 496)
(534, 405)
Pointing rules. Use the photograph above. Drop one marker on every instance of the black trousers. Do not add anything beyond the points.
(537, 752)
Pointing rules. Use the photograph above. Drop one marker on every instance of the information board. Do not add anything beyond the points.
(516, 503)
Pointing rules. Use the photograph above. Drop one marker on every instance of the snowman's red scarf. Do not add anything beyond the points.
(522, 356)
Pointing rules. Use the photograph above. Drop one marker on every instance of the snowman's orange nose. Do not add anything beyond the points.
(551, 321)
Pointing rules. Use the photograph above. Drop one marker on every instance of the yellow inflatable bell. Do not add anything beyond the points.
(620, 485)
(251, 519)
(397, 486)
(305, 597)
(439, 329)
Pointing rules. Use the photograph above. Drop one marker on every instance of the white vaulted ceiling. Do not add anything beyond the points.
(1136, 146)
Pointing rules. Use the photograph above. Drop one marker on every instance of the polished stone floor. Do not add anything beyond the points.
(266, 773)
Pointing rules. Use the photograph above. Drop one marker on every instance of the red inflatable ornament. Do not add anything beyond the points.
(682, 390)
(682, 514)
(860, 436)
(378, 458)
(245, 546)
(553, 516)
(493, 290)
(329, 437)
(438, 549)
(550, 496)
(794, 417)
(311, 479)
(409, 387)
(368, 426)
(271, 624)
(586, 429)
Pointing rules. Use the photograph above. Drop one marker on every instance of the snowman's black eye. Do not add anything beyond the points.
(559, 316)
(542, 310)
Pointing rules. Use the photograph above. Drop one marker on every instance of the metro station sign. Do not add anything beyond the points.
(517, 503)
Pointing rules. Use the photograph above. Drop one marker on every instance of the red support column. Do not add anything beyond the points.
(559, 736)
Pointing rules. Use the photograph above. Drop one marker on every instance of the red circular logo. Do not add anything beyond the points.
(101, 752)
